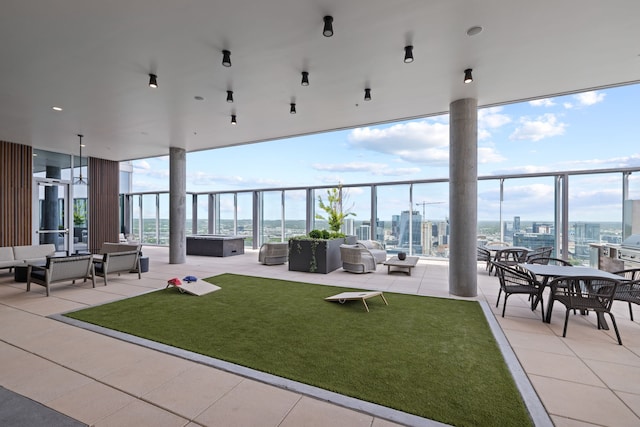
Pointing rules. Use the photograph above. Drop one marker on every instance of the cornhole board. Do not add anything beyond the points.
(362, 296)
(196, 288)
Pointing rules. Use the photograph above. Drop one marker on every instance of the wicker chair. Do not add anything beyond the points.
(585, 293)
(376, 249)
(510, 256)
(629, 291)
(484, 256)
(61, 269)
(514, 281)
(274, 253)
(357, 259)
(548, 261)
(542, 252)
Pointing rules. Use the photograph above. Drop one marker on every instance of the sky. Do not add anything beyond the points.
(591, 130)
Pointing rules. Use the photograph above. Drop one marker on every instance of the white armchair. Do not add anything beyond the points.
(376, 249)
(274, 253)
(357, 259)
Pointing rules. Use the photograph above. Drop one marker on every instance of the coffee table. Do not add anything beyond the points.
(403, 266)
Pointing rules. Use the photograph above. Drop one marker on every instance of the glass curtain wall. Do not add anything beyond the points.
(522, 210)
(225, 206)
(591, 222)
(244, 215)
(357, 201)
(271, 219)
(399, 219)
(295, 208)
(432, 203)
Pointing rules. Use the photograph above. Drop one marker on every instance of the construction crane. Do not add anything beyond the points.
(424, 204)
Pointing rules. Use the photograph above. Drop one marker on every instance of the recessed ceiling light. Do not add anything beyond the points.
(474, 31)
(54, 108)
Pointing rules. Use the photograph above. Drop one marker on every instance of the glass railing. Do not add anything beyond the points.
(570, 211)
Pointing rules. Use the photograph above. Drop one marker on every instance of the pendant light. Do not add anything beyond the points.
(81, 180)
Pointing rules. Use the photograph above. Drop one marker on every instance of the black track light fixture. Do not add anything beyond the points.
(233, 119)
(305, 78)
(408, 54)
(153, 81)
(468, 78)
(229, 96)
(292, 110)
(226, 58)
(328, 26)
(367, 94)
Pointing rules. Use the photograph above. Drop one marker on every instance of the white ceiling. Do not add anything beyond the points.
(93, 59)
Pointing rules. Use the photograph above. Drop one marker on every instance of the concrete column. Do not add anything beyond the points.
(177, 205)
(50, 208)
(463, 197)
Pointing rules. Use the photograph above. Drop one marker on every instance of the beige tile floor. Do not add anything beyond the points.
(584, 379)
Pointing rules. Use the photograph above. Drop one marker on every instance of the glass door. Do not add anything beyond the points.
(51, 218)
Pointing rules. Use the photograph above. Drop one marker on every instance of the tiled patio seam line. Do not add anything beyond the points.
(534, 405)
(368, 408)
(100, 382)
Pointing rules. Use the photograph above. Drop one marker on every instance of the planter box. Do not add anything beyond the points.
(316, 256)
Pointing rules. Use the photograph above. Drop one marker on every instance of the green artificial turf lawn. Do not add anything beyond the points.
(431, 357)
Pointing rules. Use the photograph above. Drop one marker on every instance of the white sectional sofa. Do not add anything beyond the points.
(11, 256)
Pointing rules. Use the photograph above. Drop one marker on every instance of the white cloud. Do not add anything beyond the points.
(612, 162)
(542, 127)
(492, 118)
(544, 102)
(140, 166)
(416, 142)
(585, 99)
(589, 98)
(377, 169)
(521, 170)
(489, 155)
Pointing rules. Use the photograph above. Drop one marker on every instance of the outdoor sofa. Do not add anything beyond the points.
(61, 269)
(14, 256)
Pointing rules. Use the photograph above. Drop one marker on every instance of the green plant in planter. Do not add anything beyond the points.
(334, 208)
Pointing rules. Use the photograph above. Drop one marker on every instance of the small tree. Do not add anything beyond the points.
(334, 208)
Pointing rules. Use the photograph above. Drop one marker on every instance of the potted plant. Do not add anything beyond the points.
(334, 208)
(319, 251)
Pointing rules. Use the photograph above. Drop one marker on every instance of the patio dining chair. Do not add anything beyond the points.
(511, 256)
(484, 255)
(515, 281)
(630, 293)
(549, 261)
(585, 293)
(542, 252)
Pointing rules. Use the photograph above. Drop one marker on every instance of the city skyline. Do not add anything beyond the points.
(595, 129)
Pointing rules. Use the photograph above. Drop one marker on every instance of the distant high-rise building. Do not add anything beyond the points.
(364, 232)
(403, 230)
(379, 236)
(426, 237)
(586, 232)
(516, 224)
(533, 240)
(349, 227)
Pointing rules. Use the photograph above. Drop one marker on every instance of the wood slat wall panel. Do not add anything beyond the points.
(15, 193)
(104, 221)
